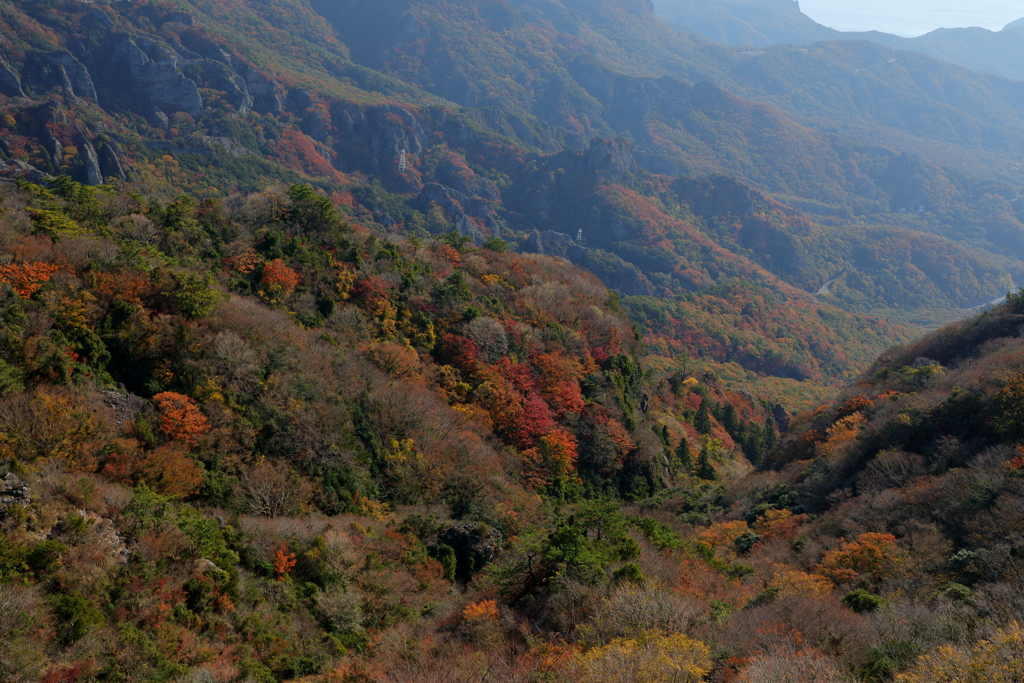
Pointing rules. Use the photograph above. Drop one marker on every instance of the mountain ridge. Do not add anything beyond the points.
(760, 24)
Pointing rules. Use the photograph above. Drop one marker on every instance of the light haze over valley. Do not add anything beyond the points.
(911, 18)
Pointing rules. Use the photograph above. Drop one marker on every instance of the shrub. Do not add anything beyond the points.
(862, 601)
(340, 609)
(75, 616)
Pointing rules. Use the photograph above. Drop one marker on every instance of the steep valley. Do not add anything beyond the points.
(501, 340)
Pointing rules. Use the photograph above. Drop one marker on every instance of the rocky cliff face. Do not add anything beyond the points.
(93, 174)
(10, 84)
(74, 75)
(155, 70)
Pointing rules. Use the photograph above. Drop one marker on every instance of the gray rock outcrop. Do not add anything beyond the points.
(612, 158)
(221, 76)
(93, 175)
(460, 177)
(74, 75)
(20, 169)
(13, 491)
(54, 147)
(126, 407)
(267, 94)
(451, 202)
(101, 17)
(475, 546)
(111, 161)
(393, 129)
(57, 113)
(10, 84)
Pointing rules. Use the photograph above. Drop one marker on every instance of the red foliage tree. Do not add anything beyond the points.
(279, 277)
(180, 417)
(561, 389)
(284, 561)
(553, 457)
(461, 353)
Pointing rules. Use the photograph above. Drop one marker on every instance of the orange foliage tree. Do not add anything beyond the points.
(872, 553)
(180, 417)
(483, 611)
(27, 278)
(278, 279)
(284, 561)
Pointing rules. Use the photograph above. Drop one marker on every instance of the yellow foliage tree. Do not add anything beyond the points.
(652, 659)
(723, 533)
(52, 422)
(999, 660)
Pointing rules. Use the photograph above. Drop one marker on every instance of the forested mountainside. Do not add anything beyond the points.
(394, 109)
(245, 440)
(462, 340)
(264, 359)
(761, 23)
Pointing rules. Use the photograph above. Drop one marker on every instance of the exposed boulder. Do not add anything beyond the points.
(475, 545)
(158, 119)
(10, 84)
(13, 491)
(126, 407)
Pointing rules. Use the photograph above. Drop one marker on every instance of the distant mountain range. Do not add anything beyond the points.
(760, 23)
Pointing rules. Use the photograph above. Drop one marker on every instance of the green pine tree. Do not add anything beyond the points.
(684, 460)
(730, 420)
(11, 378)
(705, 470)
(702, 422)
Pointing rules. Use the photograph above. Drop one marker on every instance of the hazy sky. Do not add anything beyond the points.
(912, 17)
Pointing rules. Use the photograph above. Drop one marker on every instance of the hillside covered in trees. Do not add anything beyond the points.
(249, 441)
